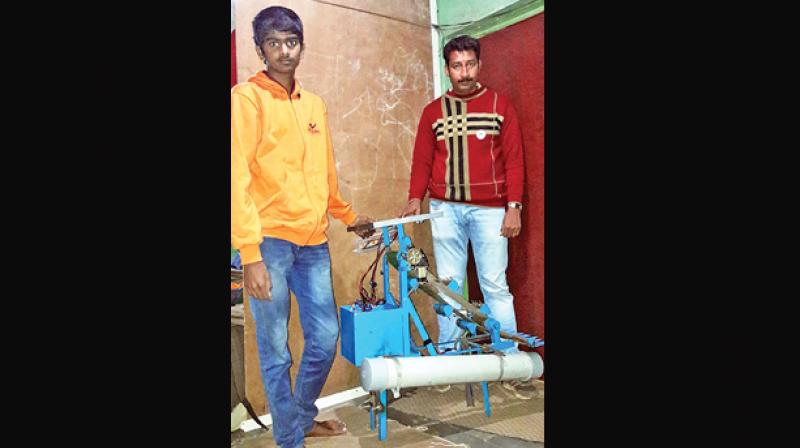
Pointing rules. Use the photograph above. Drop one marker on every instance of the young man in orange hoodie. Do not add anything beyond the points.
(283, 185)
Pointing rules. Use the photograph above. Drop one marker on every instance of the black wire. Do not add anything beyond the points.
(370, 297)
(372, 13)
(435, 26)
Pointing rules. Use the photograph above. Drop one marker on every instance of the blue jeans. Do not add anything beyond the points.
(481, 226)
(305, 271)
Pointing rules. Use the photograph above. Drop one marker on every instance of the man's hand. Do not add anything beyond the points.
(512, 223)
(256, 280)
(412, 208)
(363, 220)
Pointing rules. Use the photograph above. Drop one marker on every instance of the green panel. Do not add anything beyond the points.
(498, 22)
(452, 12)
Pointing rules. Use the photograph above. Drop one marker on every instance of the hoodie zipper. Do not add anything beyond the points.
(305, 176)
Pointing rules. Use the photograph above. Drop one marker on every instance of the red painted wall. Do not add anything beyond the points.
(513, 63)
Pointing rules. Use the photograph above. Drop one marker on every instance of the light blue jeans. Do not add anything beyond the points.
(481, 227)
(306, 271)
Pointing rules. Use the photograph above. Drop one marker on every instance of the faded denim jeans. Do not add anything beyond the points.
(305, 271)
(481, 227)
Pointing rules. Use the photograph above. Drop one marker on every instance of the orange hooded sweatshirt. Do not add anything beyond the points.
(283, 177)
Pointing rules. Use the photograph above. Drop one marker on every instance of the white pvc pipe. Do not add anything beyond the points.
(395, 373)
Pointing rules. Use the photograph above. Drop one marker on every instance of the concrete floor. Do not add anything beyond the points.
(424, 418)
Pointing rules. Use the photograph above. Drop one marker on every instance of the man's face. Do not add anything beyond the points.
(463, 68)
(283, 51)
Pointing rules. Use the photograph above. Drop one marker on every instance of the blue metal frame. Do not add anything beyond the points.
(384, 330)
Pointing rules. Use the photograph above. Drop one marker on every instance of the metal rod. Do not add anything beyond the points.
(486, 407)
(395, 221)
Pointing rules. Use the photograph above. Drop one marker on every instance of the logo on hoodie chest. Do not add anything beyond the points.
(312, 128)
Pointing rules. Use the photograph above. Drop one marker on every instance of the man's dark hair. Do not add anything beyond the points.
(462, 43)
(276, 18)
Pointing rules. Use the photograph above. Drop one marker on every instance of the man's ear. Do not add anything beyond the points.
(261, 54)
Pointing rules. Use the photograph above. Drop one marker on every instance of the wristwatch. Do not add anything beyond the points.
(515, 205)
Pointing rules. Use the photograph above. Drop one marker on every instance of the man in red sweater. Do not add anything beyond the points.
(468, 154)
